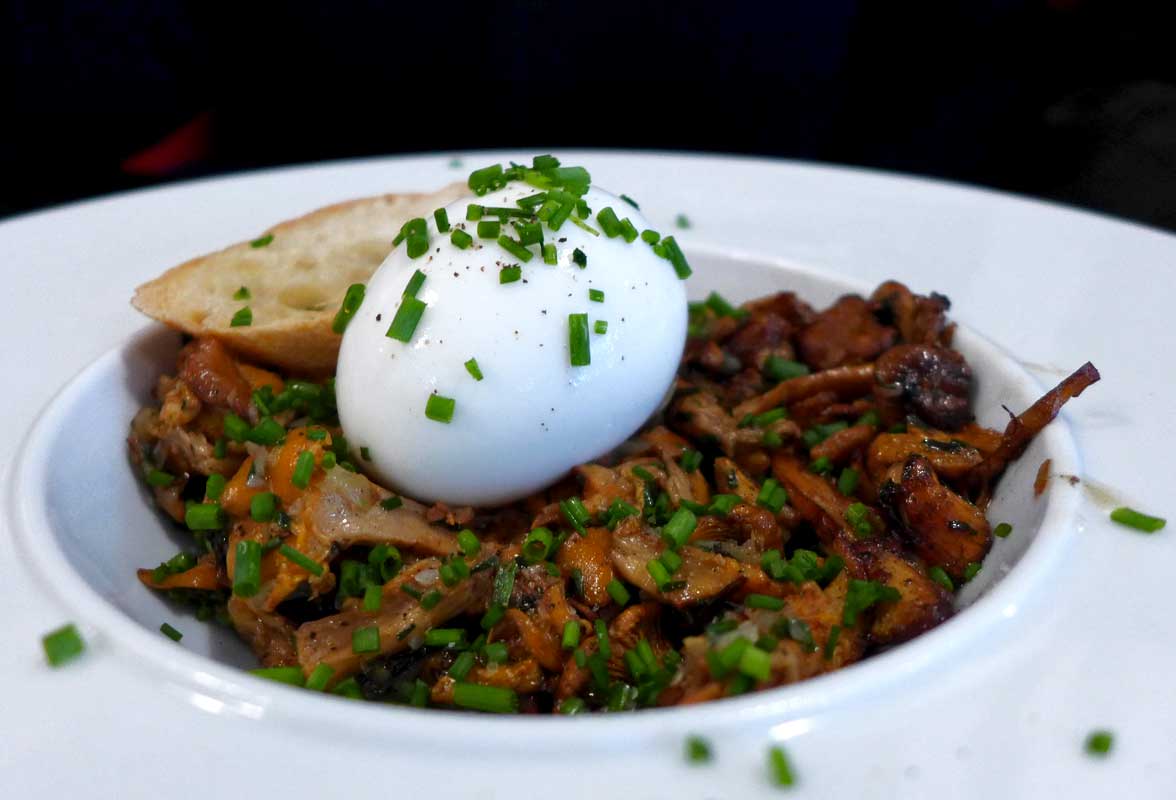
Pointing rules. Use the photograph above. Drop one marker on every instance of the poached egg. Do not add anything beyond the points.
(500, 348)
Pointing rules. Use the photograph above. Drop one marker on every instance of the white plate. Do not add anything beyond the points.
(996, 701)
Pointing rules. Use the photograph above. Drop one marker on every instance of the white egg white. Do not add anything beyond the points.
(533, 416)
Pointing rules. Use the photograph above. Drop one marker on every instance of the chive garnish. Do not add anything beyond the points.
(263, 507)
(461, 240)
(242, 319)
(441, 217)
(578, 346)
(242, 294)
(303, 469)
(170, 632)
(351, 303)
(1137, 520)
(262, 241)
(596, 296)
(511, 274)
(414, 284)
(62, 645)
(473, 369)
(408, 316)
(580, 258)
(515, 248)
(439, 408)
(492, 699)
(489, 229)
(365, 640)
(247, 568)
(600, 326)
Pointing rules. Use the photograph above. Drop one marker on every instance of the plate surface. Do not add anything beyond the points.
(983, 708)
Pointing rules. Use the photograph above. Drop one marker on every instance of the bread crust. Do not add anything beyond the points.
(296, 282)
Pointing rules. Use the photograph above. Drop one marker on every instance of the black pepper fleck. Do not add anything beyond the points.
(379, 317)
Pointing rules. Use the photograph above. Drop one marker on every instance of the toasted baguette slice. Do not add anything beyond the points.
(295, 282)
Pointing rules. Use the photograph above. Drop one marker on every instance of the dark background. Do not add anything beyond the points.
(1065, 99)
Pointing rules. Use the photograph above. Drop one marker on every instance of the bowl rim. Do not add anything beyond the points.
(216, 687)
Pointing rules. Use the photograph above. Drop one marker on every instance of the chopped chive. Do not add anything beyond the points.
(373, 597)
(755, 663)
(858, 517)
(261, 241)
(778, 767)
(492, 617)
(690, 460)
(302, 560)
(408, 316)
(617, 591)
(489, 229)
(417, 245)
(445, 638)
(722, 504)
(348, 688)
(492, 699)
(580, 258)
(682, 221)
(677, 531)
(571, 635)
(676, 257)
(772, 496)
(650, 236)
(602, 641)
(1099, 743)
(698, 750)
(529, 233)
(764, 601)
(1002, 530)
(303, 469)
(159, 478)
(575, 513)
(496, 652)
(657, 570)
(831, 642)
(609, 222)
(267, 431)
(468, 542)
(628, 230)
(439, 408)
(781, 369)
(537, 545)
(430, 600)
(600, 326)
(242, 294)
(263, 507)
(847, 481)
(414, 284)
(365, 640)
(515, 248)
(596, 295)
(510, 274)
(671, 560)
(1137, 520)
(940, 576)
(391, 503)
(170, 632)
(62, 645)
(441, 217)
(971, 570)
(242, 319)
(320, 676)
(486, 179)
(578, 347)
(214, 486)
(550, 257)
(461, 240)
(247, 569)
(289, 675)
(473, 369)
(473, 212)
(420, 694)
(203, 517)
(411, 591)
(221, 448)
(572, 705)
(462, 666)
(504, 584)
(532, 200)
(352, 300)
(235, 427)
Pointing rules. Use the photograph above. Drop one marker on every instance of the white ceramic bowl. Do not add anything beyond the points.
(86, 522)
